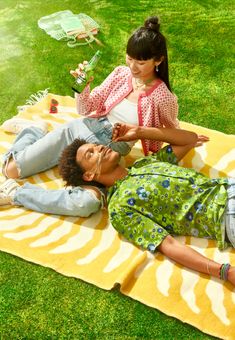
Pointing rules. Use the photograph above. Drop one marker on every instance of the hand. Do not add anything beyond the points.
(124, 132)
(201, 139)
(80, 72)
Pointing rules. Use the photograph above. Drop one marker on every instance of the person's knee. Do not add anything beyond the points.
(11, 170)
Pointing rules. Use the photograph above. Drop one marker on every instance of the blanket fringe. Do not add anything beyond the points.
(33, 99)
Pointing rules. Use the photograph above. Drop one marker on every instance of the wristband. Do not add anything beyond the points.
(223, 272)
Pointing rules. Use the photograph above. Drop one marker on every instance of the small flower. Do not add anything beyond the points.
(169, 227)
(129, 214)
(194, 232)
(143, 194)
(169, 149)
(189, 216)
(150, 215)
(151, 247)
(139, 190)
(198, 206)
(166, 183)
(131, 201)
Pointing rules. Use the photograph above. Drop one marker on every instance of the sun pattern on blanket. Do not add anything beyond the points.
(91, 250)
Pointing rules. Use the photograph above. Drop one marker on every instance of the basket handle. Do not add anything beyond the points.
(74, 42)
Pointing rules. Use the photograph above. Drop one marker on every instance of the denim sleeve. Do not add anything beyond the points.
(70, 202)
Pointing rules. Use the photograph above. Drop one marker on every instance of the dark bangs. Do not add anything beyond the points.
(140, 47)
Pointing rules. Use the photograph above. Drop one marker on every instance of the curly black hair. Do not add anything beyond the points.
(69, 169)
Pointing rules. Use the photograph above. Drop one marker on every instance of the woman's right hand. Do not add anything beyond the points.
(80, 71)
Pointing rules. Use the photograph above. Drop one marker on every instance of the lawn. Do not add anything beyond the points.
(36, 302)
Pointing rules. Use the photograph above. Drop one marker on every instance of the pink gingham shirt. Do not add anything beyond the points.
(157, 107)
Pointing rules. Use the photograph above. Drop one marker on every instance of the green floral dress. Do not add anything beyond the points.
(158, 198)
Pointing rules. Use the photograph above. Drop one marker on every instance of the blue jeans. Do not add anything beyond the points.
(34, 152)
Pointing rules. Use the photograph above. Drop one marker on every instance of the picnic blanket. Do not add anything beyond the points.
(91, 250)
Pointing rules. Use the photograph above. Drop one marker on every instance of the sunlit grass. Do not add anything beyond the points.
(37, 303)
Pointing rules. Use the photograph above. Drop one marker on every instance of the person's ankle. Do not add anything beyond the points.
(10, 170)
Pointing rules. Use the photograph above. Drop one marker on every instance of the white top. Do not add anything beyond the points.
(124, 112)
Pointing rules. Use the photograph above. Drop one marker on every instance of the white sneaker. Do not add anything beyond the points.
(16, 125)
(7, 191)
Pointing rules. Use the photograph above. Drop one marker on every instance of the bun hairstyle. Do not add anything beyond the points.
(147, 42)
(152, 23)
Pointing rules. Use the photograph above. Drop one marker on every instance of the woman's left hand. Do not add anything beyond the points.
(201, 139)
(124, 132)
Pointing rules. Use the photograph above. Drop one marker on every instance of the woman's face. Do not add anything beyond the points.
(142, 69)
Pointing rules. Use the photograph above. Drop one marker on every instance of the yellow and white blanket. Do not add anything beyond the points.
(91, 250)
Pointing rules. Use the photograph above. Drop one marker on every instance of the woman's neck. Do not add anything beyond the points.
(143, 84)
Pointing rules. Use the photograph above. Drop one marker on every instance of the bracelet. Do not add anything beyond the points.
(207, 267)
(223, 272)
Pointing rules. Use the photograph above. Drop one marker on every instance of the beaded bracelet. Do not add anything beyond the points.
(223, 272)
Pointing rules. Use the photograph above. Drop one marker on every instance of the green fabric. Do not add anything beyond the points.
(158, 198)
(72, 24)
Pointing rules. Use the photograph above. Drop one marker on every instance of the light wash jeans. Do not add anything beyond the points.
(34, 152)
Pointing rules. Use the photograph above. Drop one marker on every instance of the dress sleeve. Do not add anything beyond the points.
(88, 101)
(168, 110)
(166, 154)
(137, 228)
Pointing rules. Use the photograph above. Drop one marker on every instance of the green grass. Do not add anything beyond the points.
(36, 302)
